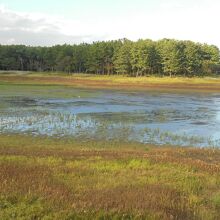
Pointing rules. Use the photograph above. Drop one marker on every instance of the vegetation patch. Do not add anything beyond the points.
(69, 179)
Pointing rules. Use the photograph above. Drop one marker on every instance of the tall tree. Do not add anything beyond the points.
(144, 57)
(171, 56)
(122, 58)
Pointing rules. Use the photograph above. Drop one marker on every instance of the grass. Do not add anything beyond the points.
(184, 84)
(43, 91)
(50, 178)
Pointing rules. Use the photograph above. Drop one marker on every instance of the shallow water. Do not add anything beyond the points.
(150, 117)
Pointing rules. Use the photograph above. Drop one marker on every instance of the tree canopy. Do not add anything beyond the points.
(144, 57)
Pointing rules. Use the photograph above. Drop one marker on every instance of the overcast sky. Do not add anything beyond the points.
(49, 22)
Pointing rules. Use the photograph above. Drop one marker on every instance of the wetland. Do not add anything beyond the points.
(183, 119)
(83, 153)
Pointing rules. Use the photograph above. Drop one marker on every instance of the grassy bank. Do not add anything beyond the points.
(46, 178)
(205, 84)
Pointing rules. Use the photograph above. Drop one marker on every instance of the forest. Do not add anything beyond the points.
(166, 57)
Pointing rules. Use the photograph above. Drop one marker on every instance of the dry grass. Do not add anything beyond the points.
(205, 84)
(67, 179)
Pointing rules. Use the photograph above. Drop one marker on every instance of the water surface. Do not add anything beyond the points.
(149, 117)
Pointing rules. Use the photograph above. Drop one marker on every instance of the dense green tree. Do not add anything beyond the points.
(144, 57)
(172, 56)
(193, 58)
(122, 58)
(210, 58)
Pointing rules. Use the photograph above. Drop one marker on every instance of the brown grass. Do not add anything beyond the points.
(105, 82)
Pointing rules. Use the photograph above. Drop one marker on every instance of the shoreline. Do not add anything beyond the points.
(168, 84)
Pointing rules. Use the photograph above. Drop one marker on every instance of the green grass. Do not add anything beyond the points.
(43, 91)
(48, 178)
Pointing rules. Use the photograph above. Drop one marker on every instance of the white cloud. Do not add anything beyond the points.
(187, 20)
(40, 29)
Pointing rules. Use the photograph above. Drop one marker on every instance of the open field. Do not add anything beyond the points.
(49, 178)
(204, 84)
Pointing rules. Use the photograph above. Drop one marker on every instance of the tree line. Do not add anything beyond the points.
(143, 57)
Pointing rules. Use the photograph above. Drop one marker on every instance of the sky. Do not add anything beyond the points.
(51, 22)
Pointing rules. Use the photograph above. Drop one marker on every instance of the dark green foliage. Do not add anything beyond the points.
(141, 58)
(144, 57)
(122, 58)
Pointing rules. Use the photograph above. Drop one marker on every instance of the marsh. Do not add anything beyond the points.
(142, 116)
